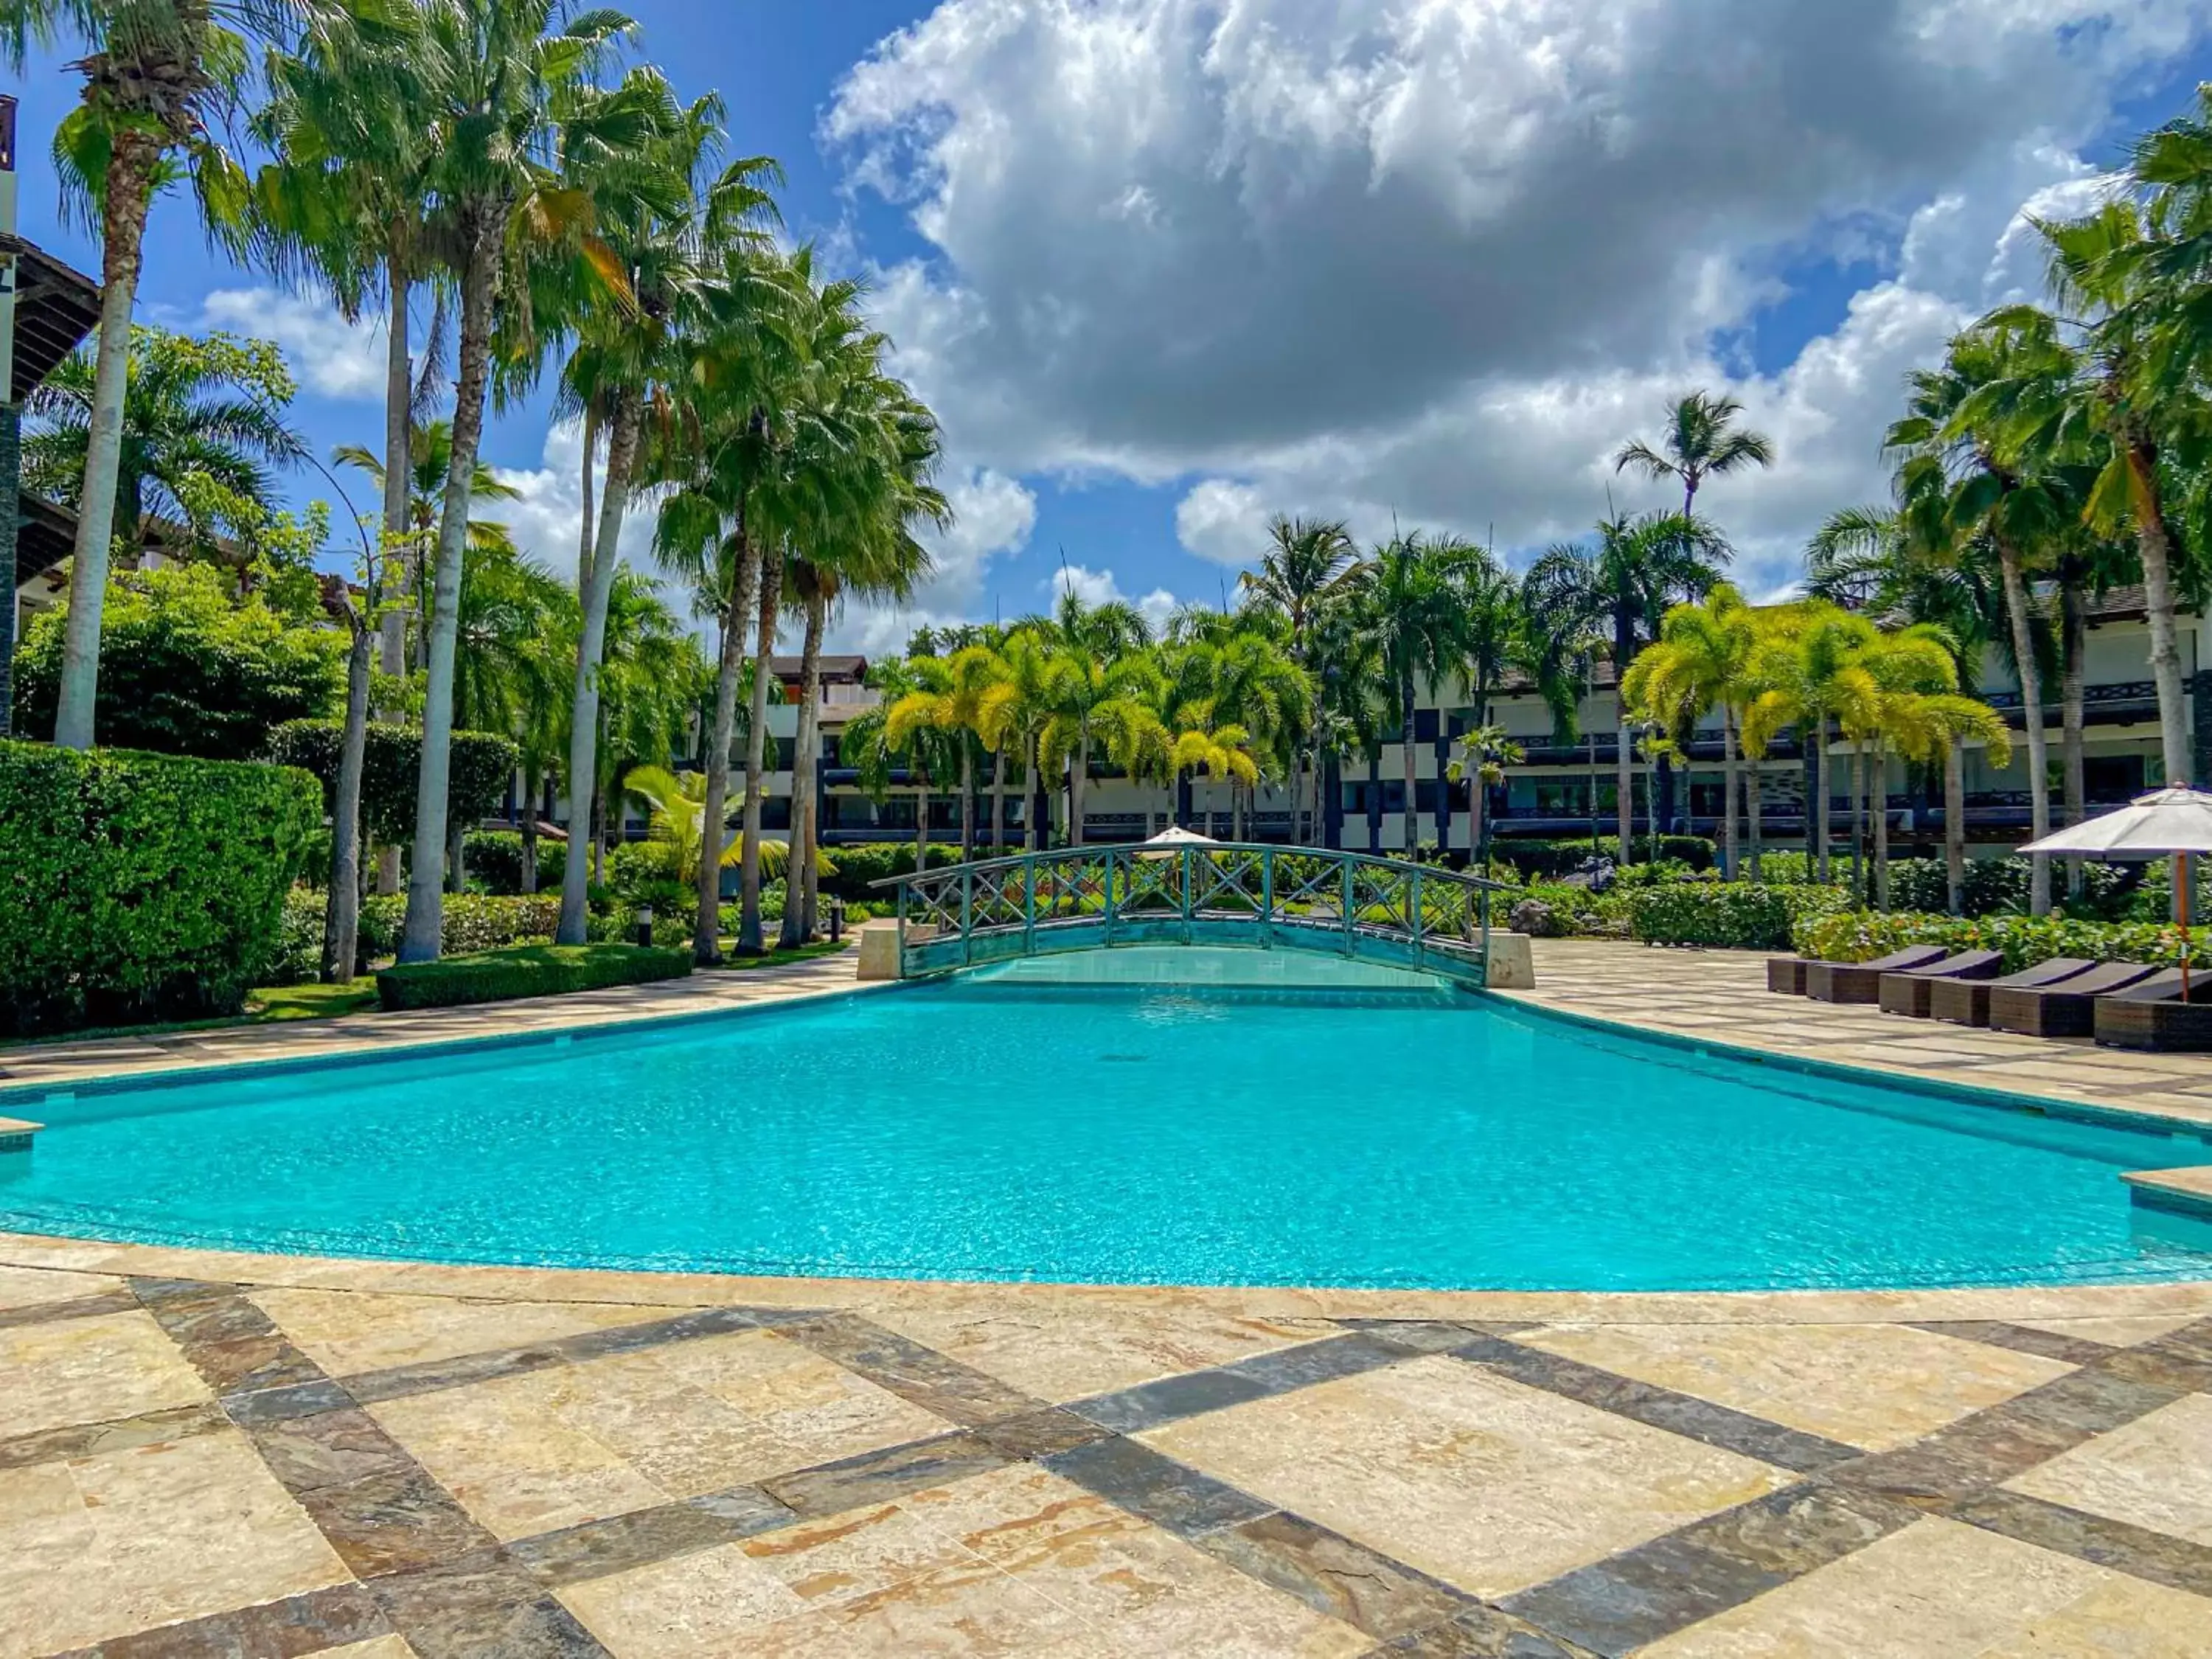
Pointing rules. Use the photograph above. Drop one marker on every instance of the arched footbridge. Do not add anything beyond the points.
(1423, 918)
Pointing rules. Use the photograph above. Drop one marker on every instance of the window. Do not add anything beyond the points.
(2112, 778)
(1425, 726)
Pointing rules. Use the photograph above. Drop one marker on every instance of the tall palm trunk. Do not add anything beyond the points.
(11, 466)
(591, 646)
(771, 596)
(921, 823)
(585, 527)
(2019, 615)
(1858, 822)
(421, 939)
(2074, 641)
(1079, 774)
(998, 802)
(713, 819)
(1954, 825)
(799, 865)
(1878, 788)
(1817, 788)
(394, 558)
(533, 781)
(129, 191)
(1754, 805)
(967, 800)
(1035, 826)
(1730, 774)
(342, 908)
(1413, 835)
(1477, 817)
(2154, 549)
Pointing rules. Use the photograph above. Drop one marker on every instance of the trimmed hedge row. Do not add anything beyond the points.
(872, 861)
(1863, 935)
(528, 970)
(493, 858)
(138, 887)
(1535, 857)
(472, 921)
(478, 771)
(1735, 915)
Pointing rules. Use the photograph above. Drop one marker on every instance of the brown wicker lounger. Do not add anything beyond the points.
(1786, 976)
(1908, 992)
(1966, 1001)
(2153, 1014)
(2066, 1009)
(1861, 981)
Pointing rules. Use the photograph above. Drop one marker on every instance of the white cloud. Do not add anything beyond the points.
(547, 518)
(992, 518)
(328, 355)
(1096, 587)
(1436, 258)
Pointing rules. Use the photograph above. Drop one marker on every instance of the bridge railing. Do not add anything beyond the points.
(1423, 917)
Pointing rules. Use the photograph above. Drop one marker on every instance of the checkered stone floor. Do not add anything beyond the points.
(371, 1462)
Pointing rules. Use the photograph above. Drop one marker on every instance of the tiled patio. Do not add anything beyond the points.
(206, 1454)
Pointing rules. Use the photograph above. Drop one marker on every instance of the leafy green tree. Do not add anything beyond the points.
(158, 76)
(1702, 441)
(1310, 568)
(1620, 587)
(512, 108)
(193, 670)
(203, 427)
(1705, 658)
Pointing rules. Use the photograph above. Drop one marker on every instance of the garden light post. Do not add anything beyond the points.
(11, 416)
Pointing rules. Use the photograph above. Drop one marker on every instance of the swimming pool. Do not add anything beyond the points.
(1205, 1134)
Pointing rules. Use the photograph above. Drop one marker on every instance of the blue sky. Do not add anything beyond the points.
(1166, 266)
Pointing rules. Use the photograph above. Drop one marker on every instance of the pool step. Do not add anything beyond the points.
(2189, 1191)
(16, 1134)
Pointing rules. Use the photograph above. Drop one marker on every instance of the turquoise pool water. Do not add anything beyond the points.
(1195, 1134)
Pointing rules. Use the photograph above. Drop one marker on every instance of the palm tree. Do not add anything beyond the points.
(1801, 678)
(1621, 586)
(1248, 681)
(1483, 754)
(1094, 675)
(1955, 467)
(1413, 610)
(664, 227)
(512, 97)
(156, 75)
(652, 677)
(1310, 565)
(202, 425)
(421, 484)
(1701, 442)
(1703, 660)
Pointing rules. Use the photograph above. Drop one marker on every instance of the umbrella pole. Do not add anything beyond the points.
(2181, 895)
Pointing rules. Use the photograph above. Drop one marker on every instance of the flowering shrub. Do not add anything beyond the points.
(1861, 936)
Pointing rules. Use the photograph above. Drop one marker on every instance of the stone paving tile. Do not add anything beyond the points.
(1487, 1484)
(341, 1622)
(23, 1291)
(349, 1330)
(121, 1541)
(1940, 1590)
(91, 1371)
(1873, 1386)
(2155, 1472)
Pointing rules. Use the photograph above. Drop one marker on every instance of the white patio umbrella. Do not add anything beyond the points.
(2169, 822)
(1173, 837)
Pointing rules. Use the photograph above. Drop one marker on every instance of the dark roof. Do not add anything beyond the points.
(55, 308)
(46, 538)
(830, 668)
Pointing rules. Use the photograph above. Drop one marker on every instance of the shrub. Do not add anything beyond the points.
(494, 859)
(185, 669)
(298, 959)
(476, 773)
(1786, 867)
(1993, 886)
(138, 887)
(473, 921)
(1737, 915)
(859, 867)
(1536, 857)
(1861, 936)
(527, 970)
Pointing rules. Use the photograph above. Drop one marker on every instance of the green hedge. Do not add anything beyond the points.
(478, 771)
(140, 887)
(1536, 857)
(472, 921)
(1861, 936)
(494, 861)
(877, 860)
(1729, 915)
(527, 970)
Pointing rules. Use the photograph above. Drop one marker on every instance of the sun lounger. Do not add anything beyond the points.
(1861, 981)
(1908, 992)
(1785, 975)
(2153, 1014)
(2066, 1009)
(1966, 1001)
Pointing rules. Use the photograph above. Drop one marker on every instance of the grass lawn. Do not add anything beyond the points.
(777, 958)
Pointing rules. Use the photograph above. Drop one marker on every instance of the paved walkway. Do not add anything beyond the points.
(203, 1453)
(44, 1065)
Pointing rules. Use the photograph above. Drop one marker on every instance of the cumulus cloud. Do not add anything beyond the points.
(546, 518)
(1437, 260)
(992, 518)
(1096, 587)
(328, 355)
